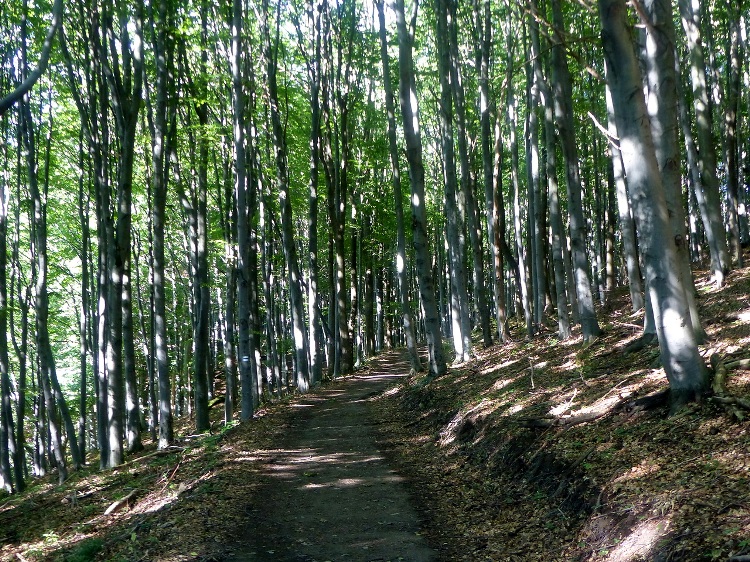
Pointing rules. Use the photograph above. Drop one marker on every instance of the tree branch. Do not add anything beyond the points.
(11, 99)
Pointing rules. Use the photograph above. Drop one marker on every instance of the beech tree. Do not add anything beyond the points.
(679, 350)
(199, 200)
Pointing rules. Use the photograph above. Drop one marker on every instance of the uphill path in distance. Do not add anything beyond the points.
(325, 492)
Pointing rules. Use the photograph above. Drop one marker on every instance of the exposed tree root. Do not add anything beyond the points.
(641, 343)
(734, 405)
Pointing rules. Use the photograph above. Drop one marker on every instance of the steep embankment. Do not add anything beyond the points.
(544, 450)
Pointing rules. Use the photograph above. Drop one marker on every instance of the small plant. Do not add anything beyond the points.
(50, 537)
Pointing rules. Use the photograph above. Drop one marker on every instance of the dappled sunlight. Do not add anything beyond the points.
(640, 541)
(502, 383)
(643, 468)
(452, 430)
(490, 369)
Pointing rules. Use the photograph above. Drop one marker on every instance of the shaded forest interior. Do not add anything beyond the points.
(213, 208)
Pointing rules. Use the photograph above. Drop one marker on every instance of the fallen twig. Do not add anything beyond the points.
(122, 502)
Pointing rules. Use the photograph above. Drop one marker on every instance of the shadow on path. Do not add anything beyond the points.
(327, 493)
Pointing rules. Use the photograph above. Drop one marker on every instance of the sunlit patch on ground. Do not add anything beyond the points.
(640, 541)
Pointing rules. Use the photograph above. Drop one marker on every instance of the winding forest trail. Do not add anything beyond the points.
(326, 493)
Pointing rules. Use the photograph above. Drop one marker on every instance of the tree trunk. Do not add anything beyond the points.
(41, 303)
(731, 126)
(401, 263)
(556, 222)
(663, 114)
(301, 346)
(564, 116)
(6, 413)
(471, 210)
(679, 351)
(162, 54)
(454, 201)
(413, 139)
(708, 196)
(491, 189)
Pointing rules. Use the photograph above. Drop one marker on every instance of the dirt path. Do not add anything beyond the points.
(326, 493)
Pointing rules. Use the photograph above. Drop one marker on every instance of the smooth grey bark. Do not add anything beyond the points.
(41, 303)
(461, 325)
(278, 135)
(679, 351)
(401, 263)
(247, 383)
(413, 139)
(123, 69)
(563, 95)
(663, 113)
(471, 211)
(20, 346)
(6, 412)
(522, 280)
(95, 125)
(483, 25)
(709, 196)
(732, 124)
(83, 218)
(316, 132)
(228, 219)
(158, 213)
(556, 222)
(627, 227)
(537, 210)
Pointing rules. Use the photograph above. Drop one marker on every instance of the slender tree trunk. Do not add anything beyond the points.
(461, 325)
(491, 191)
(83, 217)
(6, 413)
(537, 211)
(247, 384)
(732, 125)
(41, 303)
(316, 133)
(412, 136)
(564, 115)
(301, 346)
(401, 263)
(627, 228)
(708, 197)
(522, 280)
(159, 147)
(471, 210)
(556, 222)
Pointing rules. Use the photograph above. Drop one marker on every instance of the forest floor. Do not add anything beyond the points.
(535, 450)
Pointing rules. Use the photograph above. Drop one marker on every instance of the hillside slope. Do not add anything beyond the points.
(544, 450)
(536, 450)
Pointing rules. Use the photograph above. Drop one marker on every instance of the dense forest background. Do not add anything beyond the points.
(204, 203)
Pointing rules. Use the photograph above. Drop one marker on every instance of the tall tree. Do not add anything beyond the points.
(401, 263)
(707, 192)
(679, 351)
(455, 202)
(163, 56)
(492, 193)
(563, 95)
(278, 135)
(413, 139)
(663, 113)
